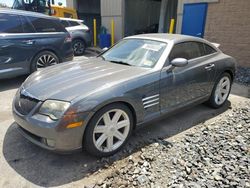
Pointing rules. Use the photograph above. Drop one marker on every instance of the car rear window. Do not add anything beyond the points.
(44, 25)
(73, 23)
(208, 49)
(190, 50)
(65, 23)
(10, 24)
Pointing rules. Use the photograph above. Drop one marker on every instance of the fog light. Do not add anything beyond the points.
(50, 142)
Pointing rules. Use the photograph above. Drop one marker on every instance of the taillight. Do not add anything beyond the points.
(87, 30)
(68, 39)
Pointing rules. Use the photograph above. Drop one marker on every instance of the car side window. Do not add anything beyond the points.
(72, 23)
(208, 49)
(187, 50)
(27, 26)
(65, 23)
(44, 25)
(10, 24)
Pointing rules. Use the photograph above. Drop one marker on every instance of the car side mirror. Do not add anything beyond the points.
(179, 62)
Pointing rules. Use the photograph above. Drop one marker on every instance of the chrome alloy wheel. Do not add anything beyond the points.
(45, 61)
(78, 47)
(111, 130)
(222, 90)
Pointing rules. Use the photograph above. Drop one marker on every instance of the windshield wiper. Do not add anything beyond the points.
(101, 57)
(120, 62)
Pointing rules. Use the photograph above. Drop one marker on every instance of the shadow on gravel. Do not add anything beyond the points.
(12, 83)
(48, 169)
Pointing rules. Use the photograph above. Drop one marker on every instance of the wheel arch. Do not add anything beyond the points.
(79, 38)
(230, 72)
(126, 103)
(43, 50)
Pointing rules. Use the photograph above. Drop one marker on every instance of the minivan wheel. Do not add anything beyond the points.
(108, 130)
(221, 91)
(78, 47)
(43, 60)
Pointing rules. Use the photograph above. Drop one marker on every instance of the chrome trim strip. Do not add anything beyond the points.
(153, 96)
(38, 33)
(10, 70)
(151, 105)
(153, 100)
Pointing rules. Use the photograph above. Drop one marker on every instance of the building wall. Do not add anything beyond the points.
(180, 8)
(228, 23)
(113, 9)
(71, 3)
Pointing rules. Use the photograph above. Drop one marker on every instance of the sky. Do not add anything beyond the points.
(10, 2)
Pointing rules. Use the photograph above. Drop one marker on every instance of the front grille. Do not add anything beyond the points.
(25, 104)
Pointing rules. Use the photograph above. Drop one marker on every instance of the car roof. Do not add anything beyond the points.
(25, 13)
(164, 37)
(71, 19)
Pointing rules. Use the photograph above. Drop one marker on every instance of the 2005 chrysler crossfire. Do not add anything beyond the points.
(96, 103)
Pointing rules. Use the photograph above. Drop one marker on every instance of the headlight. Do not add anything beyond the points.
(54, 109)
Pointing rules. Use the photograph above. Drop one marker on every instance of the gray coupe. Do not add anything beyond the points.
(95, 104)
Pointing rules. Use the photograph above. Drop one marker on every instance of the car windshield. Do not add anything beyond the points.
(136, 52)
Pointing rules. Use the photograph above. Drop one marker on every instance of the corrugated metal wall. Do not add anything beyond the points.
(113, 9)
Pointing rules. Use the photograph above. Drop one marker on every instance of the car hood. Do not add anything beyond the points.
(81, 78)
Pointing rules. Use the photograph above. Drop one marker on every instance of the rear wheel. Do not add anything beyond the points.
(78, 47)
(108, 130)
(43, 60)
(221, 91)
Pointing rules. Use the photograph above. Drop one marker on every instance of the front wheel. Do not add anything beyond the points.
(109, 130)
(221, 91)
(43, 60)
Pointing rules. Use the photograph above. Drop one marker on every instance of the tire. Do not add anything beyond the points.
(97, 140)
(214, 100)
(45, 58)
(79, 47)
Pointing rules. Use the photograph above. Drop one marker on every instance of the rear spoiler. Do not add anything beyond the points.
(216, 45)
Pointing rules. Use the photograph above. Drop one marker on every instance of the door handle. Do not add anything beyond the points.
(28, 42)
(209, 67)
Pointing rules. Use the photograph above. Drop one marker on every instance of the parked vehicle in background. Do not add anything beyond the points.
(80, 33)
(96, 104)
(30, 41)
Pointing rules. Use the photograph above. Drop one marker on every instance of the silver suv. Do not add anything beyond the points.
(80, 33)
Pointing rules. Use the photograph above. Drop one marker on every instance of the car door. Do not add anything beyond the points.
(180, 86)
(15, 46)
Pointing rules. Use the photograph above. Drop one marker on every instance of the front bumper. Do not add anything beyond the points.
(47, 133)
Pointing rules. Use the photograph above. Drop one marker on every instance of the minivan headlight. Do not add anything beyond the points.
(54, 109)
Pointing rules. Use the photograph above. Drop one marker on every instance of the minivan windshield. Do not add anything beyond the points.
(135, 52)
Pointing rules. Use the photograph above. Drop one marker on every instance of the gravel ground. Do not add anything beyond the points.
(213, 154)
(243, 75)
